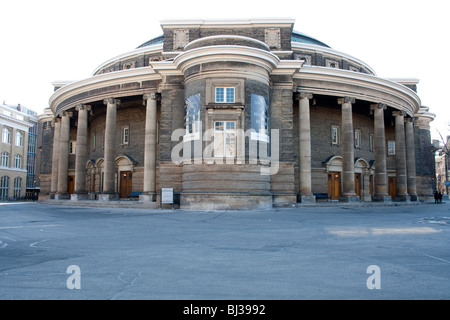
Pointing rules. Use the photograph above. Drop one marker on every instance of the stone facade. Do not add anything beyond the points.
(233, 115)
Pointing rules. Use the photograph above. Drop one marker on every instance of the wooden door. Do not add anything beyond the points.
(358, 184)
(126, 184)
(334, 185)
(392, 186)
(71, 184)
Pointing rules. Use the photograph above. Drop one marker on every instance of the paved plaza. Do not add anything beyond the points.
(318, 252)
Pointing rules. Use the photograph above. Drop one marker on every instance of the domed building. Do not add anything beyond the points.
(233, 114)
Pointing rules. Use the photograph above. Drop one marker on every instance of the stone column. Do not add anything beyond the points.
(381, 179)
(80, 192)
(149, 193)
(411, 158)
(55, 158)
(304, 125)
(63, 162)
(109, 178)
(348, 151)
(400, 157)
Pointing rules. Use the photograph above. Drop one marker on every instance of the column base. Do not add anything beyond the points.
(414, 197)
(62, 196)
(147, 197)
(402, 198)
(307, 198)
(108, 197)
(52, 196)
(378, 198)
(79, 196)
(349, 198)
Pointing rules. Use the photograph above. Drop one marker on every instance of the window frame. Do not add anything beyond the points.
(371, 142)
(72, 147)
(17, 189)
(335, 142)
(225, 94)
(4, 159)
(224, 132)
(18, 161)
(357, 139)
(391, 148)
(19, 139)
(6, 135)
(4, 188)
(126, 135)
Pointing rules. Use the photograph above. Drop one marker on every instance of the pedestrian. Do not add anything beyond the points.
(436, 197)
(440, 197)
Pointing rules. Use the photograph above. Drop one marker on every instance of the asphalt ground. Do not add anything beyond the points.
(392, 252)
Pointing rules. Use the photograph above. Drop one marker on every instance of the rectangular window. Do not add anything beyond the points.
(371, 142)
(19, 139)
(4, 188)
(225, 95)
(225, 139)
(6, 136)
(94, 137)
(126, 135)
(192, 121)
(260, 118)
(358, 139)
(17, 187)
(334, 135)
(72, 147)
(391, 148)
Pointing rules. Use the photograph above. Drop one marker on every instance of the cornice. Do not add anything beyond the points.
(409, 100)
(100, 81)
(331, 52)
(221, 23)
(156, 48)
(255, 56)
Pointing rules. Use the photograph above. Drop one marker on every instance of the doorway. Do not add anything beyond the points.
(392, 186)
(358, 184)
(334, 185)
(126, 183)
(71, 184)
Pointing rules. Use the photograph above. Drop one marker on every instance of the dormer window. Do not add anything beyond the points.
(225, 94)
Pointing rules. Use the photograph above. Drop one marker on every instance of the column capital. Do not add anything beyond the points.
(67, 114)
(111, 101)
(85, 107)
(303, 95)
(152, 96)
(410, 119)
(378, 106)
(398, 113)
(56, 120)
(346, 100)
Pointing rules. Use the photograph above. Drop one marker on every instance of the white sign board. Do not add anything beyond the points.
(167, 195)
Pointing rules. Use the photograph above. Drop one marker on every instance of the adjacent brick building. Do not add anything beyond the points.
(236, 114)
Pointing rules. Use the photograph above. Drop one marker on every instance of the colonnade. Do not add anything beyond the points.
(404, 141)
(59, 182)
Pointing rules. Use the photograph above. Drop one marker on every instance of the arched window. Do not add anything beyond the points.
(4, 188)
(18, 161)
(4, 159)
(6, 135)
(19, 139)
(17, 187)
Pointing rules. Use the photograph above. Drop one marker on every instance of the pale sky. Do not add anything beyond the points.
(52, 40)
